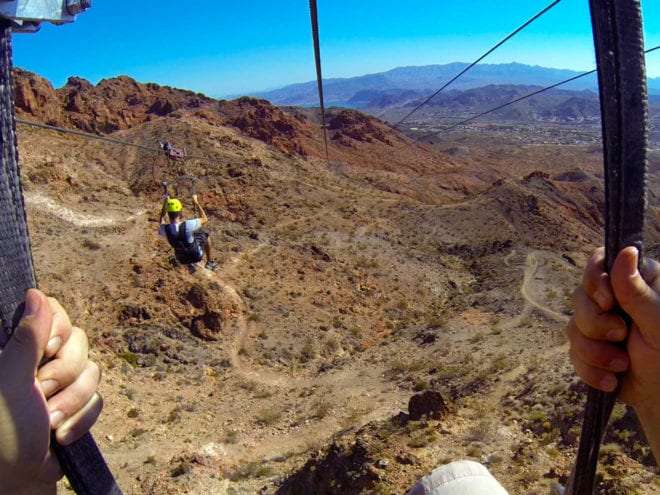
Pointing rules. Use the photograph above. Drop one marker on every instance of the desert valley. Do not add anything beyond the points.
(393, 306)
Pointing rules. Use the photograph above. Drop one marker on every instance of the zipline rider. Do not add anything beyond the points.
(189, 240)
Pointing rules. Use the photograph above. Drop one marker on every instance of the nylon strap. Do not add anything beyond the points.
(81, 461)
(618, 39)
(15, 255)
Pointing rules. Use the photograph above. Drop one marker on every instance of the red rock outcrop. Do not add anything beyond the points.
(35, 97)
(356, 126)
(113, 104)
(261, 120)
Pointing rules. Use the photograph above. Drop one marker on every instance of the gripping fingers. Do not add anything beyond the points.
(596, 282)
(60, 329)
(67, 364)
(593, 322)
(81, 422)
(66, 404)
(596, 361)
(594, 377)
(598, 353)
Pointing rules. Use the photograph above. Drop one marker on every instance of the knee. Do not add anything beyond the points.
(461, 477)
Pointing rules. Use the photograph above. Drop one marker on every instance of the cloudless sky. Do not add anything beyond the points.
(226, 48)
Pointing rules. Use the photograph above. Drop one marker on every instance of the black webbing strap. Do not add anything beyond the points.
(81, 461)
(618, 39)
(319, 77)
(15, 256)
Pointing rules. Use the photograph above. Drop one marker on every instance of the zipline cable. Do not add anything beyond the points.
(618, 40)
(319, 77)
(105, 138)
(85, 134)
(488, 52)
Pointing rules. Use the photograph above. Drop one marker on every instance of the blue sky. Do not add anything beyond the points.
(229, 47)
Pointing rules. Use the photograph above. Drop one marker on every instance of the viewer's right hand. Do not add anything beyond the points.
(595, 330)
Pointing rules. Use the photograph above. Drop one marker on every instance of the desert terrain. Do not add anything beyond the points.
(391, 270)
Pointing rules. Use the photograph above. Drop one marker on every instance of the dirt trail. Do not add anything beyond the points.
(270, 379)
(508, 433)
(529, 294)
(49, 206)
(530, 268)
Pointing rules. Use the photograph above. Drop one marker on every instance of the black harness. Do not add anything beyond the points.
(185, 252)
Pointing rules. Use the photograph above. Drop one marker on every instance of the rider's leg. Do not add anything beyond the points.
(207, 249)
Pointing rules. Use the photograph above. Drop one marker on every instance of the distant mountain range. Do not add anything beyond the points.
(419, 82)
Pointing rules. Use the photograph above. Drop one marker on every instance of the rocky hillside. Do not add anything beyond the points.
(384, 311)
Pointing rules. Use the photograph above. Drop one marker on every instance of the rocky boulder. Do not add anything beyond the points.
(429, 404)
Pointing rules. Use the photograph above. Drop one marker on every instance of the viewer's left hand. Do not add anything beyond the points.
(61, 395)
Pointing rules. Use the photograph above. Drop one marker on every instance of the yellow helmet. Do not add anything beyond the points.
(173, 206)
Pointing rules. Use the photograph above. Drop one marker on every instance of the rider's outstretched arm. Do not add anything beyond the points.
(163, 211)
(200, 211)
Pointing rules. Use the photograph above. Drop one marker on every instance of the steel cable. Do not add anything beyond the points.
(319, 77)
